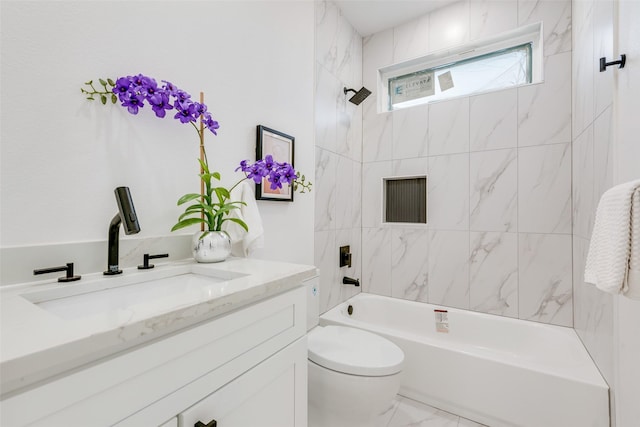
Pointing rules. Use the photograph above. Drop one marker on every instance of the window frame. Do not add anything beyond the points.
(529, 34)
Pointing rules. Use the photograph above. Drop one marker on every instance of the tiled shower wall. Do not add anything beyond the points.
(592, 170)
(337, 187)
(498, 238)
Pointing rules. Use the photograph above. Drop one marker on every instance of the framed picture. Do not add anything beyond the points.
(280, 146)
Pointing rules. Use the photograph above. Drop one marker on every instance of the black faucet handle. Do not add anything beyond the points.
(70, 277)
(147, 257)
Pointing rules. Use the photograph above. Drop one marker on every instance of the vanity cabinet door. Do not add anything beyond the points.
(173, 422)
(272, 394)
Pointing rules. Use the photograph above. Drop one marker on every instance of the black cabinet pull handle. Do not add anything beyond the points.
(213, 423)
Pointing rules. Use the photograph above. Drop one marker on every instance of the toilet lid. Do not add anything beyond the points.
(354, 351)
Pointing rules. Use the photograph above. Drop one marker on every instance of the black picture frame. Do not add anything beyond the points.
(281, 147)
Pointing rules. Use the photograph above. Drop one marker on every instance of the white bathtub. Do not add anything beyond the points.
(494, 370)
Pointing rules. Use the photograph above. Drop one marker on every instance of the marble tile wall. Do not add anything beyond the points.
(592, 99)
(337, 188)
(499, 233)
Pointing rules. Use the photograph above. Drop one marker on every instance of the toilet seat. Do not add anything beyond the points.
(354, 351)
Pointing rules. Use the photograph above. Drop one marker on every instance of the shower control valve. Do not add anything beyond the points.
(345, 256)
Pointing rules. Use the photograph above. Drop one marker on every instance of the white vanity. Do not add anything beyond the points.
(183, 345)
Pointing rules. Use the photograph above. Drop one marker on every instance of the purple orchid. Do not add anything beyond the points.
(133, 91)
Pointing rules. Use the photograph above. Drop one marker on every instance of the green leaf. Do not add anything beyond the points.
(111, 82)
(188, 197)
(204, 166)
(114, 98)
(102, 82)
(89, 82)
(187, 223)
(90, 98)
(216, 175)
(103, 99)
(223, 191)
(238, 221)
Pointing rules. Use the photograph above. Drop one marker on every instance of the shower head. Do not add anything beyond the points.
(359, 96)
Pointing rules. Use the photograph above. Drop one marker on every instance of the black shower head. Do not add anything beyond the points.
(359, 96)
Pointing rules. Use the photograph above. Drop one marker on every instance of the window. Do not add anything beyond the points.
(508, 60)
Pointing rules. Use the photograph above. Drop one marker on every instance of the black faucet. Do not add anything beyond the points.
(127, 216)
(349, 281)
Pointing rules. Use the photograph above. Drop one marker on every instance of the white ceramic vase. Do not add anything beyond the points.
(210, 246)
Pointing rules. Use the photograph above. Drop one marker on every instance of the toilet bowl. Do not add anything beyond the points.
(353, 375)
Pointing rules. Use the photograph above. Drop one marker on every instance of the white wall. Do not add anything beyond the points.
(62, 155)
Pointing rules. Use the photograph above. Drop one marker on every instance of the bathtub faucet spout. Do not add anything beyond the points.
(350, 281)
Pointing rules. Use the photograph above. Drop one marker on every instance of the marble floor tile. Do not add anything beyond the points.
(406, 412)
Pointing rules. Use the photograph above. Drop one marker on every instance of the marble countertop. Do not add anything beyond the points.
(38, 341)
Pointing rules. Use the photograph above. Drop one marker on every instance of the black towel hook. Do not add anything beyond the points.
(604, 64)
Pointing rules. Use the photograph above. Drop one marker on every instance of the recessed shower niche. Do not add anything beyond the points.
(405, 200)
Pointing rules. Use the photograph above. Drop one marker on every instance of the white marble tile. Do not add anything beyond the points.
(545, 278)
(602, 154)
(325, 189)
(410, 167)
(410, 40)
(544, 109)
(409, 264)
(356, 207)
(544, 189)
(354, 135)
(603, 19)
(493, 120)
(410, 132)
(493, 186)
(325, 109)
(583, 66)
(490, 17)
(344, 188)
(377, 134)
(348, 116)
(449, 127)
(325, 256)
(449, 268)
(377, 51)
(410, 413)
(449, 26)
(352, 238)
(345, 59)
(583, 212)
(376, 261)
(327, 14)
(372, 174)
(448, 192)
(593, 314)
(493, 273)
(556, 18)
(356, 65)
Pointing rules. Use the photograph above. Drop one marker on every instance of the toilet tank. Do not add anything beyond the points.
(313, 300)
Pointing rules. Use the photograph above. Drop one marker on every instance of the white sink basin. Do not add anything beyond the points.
(159, 290)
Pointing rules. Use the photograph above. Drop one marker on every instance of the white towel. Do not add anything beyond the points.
(613, 261)
(245, 242)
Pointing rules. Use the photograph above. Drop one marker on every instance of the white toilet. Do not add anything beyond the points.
(353, 374)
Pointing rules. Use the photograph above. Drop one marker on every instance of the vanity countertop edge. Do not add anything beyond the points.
(36, 345)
